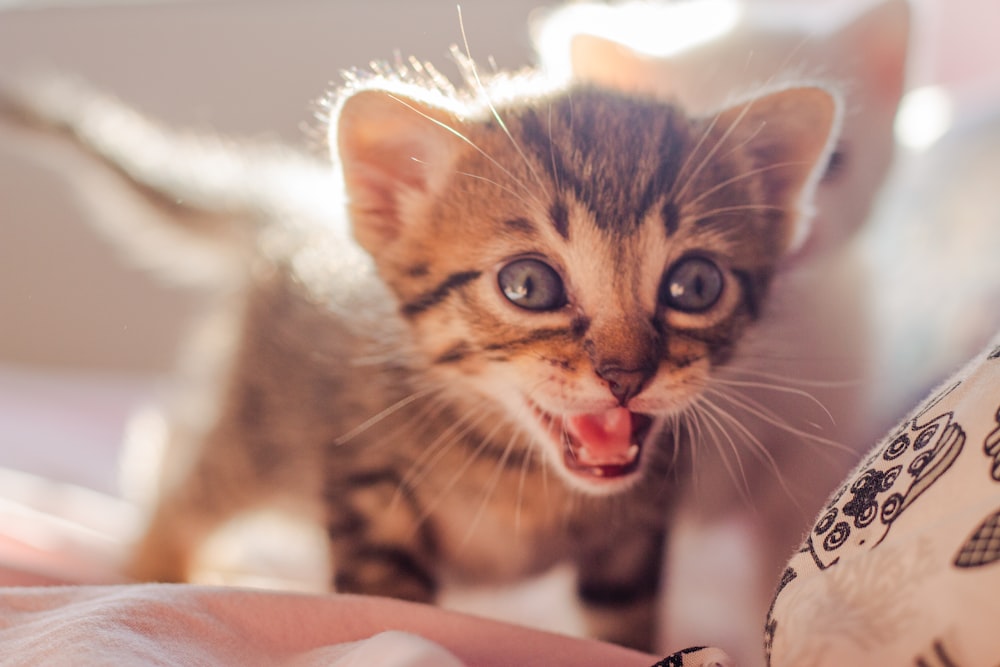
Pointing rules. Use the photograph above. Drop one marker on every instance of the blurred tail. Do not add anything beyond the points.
(193, 206)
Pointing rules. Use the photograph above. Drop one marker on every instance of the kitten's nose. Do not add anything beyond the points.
(623, 382)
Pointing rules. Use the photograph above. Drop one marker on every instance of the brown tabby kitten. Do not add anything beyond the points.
(500, 373)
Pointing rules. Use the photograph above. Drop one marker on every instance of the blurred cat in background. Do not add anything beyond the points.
(817, 336)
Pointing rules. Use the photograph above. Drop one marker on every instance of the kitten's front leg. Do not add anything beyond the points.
(380, 543)
(619, 586)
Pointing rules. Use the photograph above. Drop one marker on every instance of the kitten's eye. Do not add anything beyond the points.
(692, 285)
(532, 284)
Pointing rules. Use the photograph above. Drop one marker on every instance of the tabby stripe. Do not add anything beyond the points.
(560, 218)
(534, 337)
(350, 524)
(398, 560)
(521, 225)
(439, 293)
(752, 289)
(454, 354)
(579, 326)
(418, 270)
(671, 218)
(616, 595)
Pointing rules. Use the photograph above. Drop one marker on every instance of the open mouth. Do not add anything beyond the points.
(602, 445)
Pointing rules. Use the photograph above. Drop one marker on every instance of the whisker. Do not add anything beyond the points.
(491, 485)
(466, 140)
(738, 209)
(459, 473)
(758, 449)
(791, 380)
(439, 447)
(503, 187)
(768, 416)
(735, 179)
(493, 110)
(720, 430)
(392, 409)
(681, 179)
(778, 389)
(552, 151)
(522, 479)
(722, 140)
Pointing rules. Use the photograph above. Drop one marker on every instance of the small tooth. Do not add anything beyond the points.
(633, 452)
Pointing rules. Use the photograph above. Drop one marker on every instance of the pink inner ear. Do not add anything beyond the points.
(390, 148)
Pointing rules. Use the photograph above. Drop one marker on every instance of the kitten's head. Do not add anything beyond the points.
(655, 48)
(582, 259)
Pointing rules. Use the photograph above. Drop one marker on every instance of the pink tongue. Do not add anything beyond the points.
(605, 435)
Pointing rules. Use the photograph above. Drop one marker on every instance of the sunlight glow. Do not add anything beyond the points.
(655, 30)
(925, 114)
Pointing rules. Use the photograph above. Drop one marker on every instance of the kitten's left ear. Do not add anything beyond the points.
(395, 151)
(788, 135)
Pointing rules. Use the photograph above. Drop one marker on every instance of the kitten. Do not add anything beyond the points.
(514, 363)
(815, 338)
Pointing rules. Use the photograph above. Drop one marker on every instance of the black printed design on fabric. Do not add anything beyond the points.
(983, 547)
(677, 659)
(937, 658)
(771, 625)
(992, 447)
(889, 481)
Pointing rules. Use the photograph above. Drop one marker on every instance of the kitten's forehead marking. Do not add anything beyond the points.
(590, 141)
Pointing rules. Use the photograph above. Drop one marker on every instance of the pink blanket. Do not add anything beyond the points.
(191, 625)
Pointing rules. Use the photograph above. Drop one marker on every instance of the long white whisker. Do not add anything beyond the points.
(736, 179)
(725, 135)
(459, 473)
(778, 389)
(720, 430)
(552, 152)
(392, 409)
(491, 181)
(469, 142)
(681, 179)
(757, 448)
(738, 209)
(492, 107)
(440, 446)
(768, 416)
(491, 485)
(790, 380)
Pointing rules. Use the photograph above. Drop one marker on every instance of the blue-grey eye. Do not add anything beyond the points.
(532, 284)
(692, 285)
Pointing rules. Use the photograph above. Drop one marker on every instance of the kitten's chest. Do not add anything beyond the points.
(500, 520)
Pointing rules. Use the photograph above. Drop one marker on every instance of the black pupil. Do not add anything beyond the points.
(693, 285)
(532, 284)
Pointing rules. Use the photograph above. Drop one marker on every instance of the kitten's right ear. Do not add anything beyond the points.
(394, 151)
(788, 134)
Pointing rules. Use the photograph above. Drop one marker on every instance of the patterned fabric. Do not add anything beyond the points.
(901, 567)
(698, 656)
